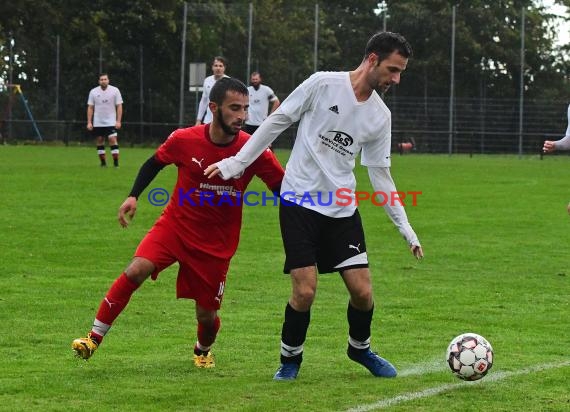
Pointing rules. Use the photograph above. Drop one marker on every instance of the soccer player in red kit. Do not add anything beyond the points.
(200, 226)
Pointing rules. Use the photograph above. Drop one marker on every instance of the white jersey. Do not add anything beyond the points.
(204, 112)
(568, 128)
(259, 104)
(564, 143)
(105, 104)
(334, 129)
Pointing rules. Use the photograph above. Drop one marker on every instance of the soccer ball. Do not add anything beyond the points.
(470, 356)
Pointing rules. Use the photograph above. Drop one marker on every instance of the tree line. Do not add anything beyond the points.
(56, 48)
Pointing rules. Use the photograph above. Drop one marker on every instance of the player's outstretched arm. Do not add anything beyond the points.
(147, 173)
(417, 251)
(127, 209)
(552, 145)
(212, 171)
(382, 181)
(234, 166)
(548, 146)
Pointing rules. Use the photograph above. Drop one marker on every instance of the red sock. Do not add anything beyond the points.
(207, 334)
(114, 302)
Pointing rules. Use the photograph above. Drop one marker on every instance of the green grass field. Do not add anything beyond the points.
(495, 232)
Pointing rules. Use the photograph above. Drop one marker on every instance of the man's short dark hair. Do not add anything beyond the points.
(385, 43)
(219, 58)
(225, 85)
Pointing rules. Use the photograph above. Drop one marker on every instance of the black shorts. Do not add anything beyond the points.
(107, 131)
(311, 238)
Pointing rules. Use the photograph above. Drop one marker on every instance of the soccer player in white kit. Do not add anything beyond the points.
(260, 97)
(341, 115)
(104, 115)
(204, 114)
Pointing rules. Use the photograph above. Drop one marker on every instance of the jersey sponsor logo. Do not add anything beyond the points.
(342, 138)
(338, 141)
(334, 109)
(218, 189)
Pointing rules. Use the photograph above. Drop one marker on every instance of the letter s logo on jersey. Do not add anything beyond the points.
(342, 138)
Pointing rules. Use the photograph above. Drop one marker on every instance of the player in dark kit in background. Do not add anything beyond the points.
(196, 229)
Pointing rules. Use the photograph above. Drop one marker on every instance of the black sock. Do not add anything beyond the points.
(359, 326)
(294, 332)
(101, 154)
(115, 154)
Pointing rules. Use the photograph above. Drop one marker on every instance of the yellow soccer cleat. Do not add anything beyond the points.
(84, 347)
(204, 361)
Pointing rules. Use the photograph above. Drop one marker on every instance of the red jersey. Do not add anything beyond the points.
(207, 213)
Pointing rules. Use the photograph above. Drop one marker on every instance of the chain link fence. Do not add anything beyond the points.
(480, 127)
(433, 124)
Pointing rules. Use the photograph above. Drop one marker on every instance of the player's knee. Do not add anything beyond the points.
(139, 270)
(303, 297)
(206, 318)
(362, 299)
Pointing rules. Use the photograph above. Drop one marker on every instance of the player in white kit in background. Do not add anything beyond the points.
(562, 144)
(261, 97)
(204, 114)
(104, 115)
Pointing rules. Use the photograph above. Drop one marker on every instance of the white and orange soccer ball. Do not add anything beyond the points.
(470, 356)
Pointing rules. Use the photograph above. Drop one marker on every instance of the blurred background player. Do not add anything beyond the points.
(104, 115)
(562, 144)
(260, 98)
(199, 228)
(204, 114)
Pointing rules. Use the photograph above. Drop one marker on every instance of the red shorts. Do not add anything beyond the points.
(201, 276)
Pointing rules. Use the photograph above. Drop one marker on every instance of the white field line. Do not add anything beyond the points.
(492, 377)
(435, 365)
